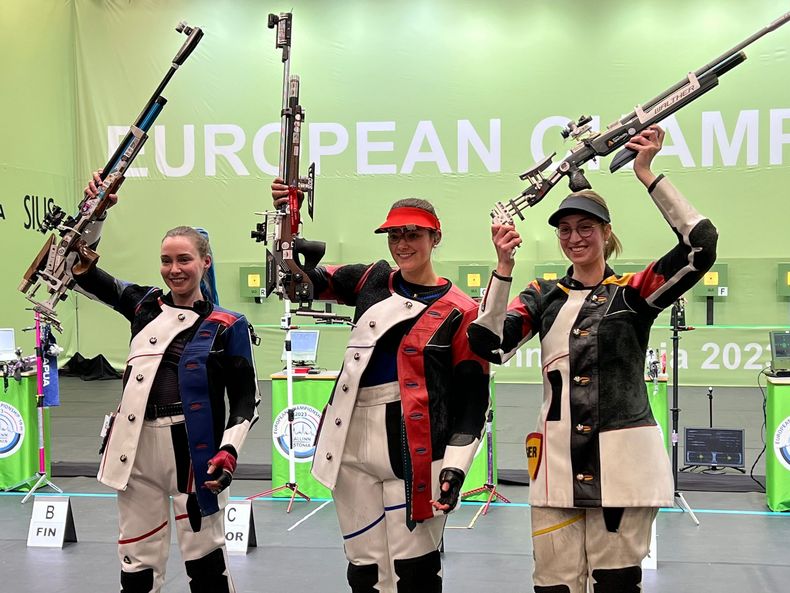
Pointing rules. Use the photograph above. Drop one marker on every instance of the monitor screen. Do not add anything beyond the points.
(721, 447)
(7, 344)
(780, 349)
(304, 345)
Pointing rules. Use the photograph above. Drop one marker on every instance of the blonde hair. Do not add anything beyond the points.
(198, 240)
(612, 245)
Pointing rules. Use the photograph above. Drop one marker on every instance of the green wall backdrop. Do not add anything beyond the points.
(444, 100)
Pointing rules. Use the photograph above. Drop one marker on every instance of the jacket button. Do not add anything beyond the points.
(329, 456)
(580, 477)
(344, 387)
(181, 317)
(139, 378)
(356, 355)
(372, 324)
(122, 458)
(338, 422)
(409, 304)
(152, 339)
(581, 380)
(131, 417)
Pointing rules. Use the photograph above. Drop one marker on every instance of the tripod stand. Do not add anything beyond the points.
(40, 477)
(489, 486)
(285, 324)
(678, 323)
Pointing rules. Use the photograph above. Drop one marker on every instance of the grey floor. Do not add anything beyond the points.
(739, 546)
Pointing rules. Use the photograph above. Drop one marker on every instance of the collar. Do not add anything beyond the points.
(568, 282)
(202, 308)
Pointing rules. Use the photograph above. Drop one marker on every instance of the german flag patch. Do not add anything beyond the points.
(534, 446)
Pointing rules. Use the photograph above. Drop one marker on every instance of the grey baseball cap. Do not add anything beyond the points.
(579, 204)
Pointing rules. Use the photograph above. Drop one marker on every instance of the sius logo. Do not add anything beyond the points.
(36, 208)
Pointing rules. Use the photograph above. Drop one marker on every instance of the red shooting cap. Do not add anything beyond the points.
(407, 216)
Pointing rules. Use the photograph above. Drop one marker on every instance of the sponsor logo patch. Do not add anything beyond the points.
(534, 446)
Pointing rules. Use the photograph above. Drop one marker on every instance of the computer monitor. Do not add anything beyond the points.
(7, 344)
(304, 346)
(719, 447)
(780, 350)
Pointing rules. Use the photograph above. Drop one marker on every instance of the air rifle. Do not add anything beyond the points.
(590, 145)
(50, 267)
(291, 256)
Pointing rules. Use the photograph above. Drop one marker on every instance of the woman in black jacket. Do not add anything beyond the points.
(598, 467)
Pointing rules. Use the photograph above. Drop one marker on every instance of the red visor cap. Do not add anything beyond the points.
(408, 216)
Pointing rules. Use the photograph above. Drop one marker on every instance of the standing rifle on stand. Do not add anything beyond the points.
(285, 274)
(290, 256)
(46, 383)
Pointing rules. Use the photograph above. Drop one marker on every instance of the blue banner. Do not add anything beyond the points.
(49, 360)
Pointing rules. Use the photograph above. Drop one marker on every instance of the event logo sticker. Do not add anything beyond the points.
(305, 427)
(782, 443)
(12, 430)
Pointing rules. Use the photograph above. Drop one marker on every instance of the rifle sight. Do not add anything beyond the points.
(576, 129)
(184, 28)
(52, 219)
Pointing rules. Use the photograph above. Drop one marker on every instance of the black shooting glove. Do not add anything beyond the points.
(455, 478)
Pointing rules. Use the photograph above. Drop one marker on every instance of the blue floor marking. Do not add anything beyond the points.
(518, 505)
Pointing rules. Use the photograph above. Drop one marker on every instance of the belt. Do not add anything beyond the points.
(153, 411)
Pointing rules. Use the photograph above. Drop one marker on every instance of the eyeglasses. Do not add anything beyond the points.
(584, 230)
(412, 236)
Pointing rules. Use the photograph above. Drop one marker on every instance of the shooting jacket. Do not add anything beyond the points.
(597, 443)
(217, 358)
(443, 385)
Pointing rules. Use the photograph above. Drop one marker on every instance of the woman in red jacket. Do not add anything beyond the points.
(408, 409)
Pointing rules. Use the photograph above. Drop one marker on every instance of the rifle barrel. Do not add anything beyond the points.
(715, 63)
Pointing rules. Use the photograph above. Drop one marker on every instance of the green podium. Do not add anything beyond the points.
(19, 433)
(659, 404)
(310, 394)
(777, 437)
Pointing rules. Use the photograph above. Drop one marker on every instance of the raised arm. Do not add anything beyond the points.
(667, 278)
(500, 329)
